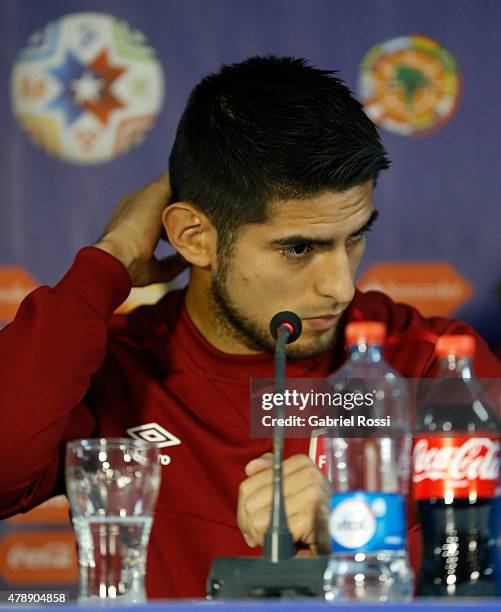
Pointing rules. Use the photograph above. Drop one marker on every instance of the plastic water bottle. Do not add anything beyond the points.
(368, 450)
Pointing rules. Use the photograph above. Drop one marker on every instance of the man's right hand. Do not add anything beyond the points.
(133, 231)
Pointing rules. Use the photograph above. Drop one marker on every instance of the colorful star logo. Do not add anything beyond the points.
(86, 88)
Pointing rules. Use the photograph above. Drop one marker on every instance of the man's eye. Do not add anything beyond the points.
(299, 251)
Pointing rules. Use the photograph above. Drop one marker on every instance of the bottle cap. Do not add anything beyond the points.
(368, 332)
(461, 345)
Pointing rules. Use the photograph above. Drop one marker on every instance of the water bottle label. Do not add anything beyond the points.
(364, 522)
(460, 467)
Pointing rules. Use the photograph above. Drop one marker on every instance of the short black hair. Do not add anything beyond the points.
(269, 128)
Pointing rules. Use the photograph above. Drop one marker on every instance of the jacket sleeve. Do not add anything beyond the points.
(48, 354)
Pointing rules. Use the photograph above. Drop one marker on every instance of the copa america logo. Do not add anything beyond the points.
(409, 85)
(87, 87)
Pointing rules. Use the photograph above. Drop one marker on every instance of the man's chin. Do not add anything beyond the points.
(311, 346)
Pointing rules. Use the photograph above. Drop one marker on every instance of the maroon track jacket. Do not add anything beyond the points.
(69, 369)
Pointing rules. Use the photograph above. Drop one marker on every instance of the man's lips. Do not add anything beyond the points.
(321, 323)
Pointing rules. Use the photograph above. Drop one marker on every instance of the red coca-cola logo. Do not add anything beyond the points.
(462, 467)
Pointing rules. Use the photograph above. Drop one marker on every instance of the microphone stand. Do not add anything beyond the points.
(278, 544)
(278, 573)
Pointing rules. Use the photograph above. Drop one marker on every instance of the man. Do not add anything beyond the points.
(272, 174)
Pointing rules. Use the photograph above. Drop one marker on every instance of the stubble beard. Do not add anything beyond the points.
(235, 325)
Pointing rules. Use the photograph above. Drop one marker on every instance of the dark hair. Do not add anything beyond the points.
(265, 129)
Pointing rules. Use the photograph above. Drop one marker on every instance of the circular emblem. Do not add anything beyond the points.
(352, 524)
(87, 87)
(409, 85)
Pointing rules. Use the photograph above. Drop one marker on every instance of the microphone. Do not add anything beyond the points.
(285, 327)
(278, 573)
(288, 320)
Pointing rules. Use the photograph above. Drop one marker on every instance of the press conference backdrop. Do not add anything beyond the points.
(91, 92)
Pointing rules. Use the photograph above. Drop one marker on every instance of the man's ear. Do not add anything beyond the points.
(191, 233)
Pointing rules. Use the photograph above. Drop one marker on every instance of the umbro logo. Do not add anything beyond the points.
(155, 434)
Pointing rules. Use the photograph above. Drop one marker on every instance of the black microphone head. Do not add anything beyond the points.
(291, 320)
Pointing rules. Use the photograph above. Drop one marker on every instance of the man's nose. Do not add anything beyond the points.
(334, 278)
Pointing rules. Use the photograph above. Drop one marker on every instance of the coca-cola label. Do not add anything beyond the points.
(455, 467)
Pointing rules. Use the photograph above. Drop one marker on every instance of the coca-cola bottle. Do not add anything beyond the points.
(455, 479)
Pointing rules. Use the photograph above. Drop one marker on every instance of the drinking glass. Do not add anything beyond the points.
(112, 485)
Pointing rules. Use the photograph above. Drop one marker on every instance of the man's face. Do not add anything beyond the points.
(303, 258)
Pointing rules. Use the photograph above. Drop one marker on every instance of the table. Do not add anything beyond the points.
(421, 605)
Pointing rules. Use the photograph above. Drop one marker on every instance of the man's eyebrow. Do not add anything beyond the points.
(321, 242)
(368, 224)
